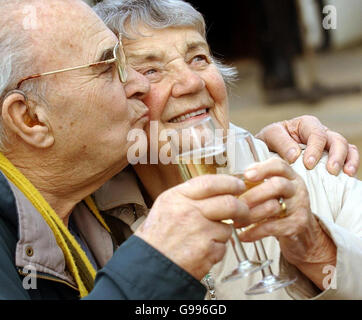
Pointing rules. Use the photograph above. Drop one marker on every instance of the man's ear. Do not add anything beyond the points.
(30, 125)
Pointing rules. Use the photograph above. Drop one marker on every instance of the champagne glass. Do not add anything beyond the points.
(270, 282)
(202, 149)
(245, 154)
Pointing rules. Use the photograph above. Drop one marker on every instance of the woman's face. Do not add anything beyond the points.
(185, 84)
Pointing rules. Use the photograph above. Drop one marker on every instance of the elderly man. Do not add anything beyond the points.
(321, 226)
(67, 103)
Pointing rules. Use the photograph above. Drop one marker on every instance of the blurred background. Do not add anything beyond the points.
(294, 57)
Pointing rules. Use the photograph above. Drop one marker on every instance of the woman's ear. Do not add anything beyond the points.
(30, 125)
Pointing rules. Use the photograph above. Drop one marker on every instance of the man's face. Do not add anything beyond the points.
(185, 85)
(91, 112)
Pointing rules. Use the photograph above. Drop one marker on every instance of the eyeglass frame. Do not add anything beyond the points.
(120, 63)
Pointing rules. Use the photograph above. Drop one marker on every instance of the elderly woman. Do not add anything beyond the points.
(165, 41)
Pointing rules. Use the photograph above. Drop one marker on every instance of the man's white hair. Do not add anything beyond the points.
(126, 16)
(16, 57)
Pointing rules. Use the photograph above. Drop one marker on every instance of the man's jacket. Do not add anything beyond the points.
(32, 265)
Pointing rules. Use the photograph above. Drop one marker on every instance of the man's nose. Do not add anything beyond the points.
(186, 81)
(137, 85)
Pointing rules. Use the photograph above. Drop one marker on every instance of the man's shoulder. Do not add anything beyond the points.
(8, 220)
(8, 239)
(8, 211)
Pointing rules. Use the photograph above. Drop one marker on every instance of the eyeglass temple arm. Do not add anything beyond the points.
(65, 70)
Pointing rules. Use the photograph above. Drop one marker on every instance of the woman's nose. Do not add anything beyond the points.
(186, 82)
(137, 85)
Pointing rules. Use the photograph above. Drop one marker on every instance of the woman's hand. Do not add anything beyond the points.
(302, 241)
(283, 138)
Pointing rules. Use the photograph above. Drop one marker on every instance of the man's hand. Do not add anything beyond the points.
(283, 138)
(185, 221)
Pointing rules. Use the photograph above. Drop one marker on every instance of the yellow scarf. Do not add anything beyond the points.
(76, 259)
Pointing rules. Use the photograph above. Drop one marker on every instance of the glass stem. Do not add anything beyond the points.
(238, 248)
(262, 256)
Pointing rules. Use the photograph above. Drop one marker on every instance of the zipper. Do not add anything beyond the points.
(50, 278)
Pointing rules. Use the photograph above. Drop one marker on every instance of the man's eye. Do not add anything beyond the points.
(107, 70)
(104, 70)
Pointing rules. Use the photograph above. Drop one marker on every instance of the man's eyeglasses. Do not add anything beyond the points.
(119, 59)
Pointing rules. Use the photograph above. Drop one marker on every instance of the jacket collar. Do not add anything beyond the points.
(122, 198)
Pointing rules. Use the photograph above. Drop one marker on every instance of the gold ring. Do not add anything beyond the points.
(283, 208)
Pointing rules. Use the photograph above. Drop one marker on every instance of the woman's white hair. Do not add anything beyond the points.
(126, 16)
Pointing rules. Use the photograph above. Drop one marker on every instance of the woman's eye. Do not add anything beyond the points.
(149, 72)
(200, 58)
(152, 74)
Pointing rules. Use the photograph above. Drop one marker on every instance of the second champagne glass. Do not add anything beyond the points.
(245, 154)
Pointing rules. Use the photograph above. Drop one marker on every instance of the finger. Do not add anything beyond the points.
(338, 150)
(224, 207)
(273, 188)
(219, 232)
(269, 168)
(352, 161)
(211, 185)
(315, 147)
(217, 252)
(276, 227)
(265, 210)
(279, 140)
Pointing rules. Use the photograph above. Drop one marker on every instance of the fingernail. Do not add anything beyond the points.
(291, 154)
(311, 161)
(352, 170)
(336, 166)
(250, 174)
(241, 184)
